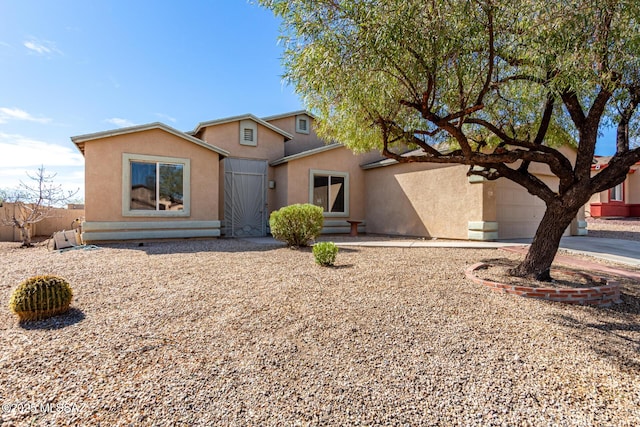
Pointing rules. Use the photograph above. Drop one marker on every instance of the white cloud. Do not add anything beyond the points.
(19, 151)
(7, 114)
(37, 47)
(166, 117)
(41, 47)
(22, 156)
(71, 180)
(123, 123)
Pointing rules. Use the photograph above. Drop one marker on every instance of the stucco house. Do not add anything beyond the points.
(623, 200)
(226, 176)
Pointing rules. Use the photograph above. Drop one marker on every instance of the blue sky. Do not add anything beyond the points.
(76, 67)
(71, 67)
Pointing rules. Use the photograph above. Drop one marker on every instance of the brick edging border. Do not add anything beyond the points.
(600, 296)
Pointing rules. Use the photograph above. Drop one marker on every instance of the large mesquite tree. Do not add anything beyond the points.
(498, 85)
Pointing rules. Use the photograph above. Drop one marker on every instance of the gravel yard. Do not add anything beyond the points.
(614, 228)
(225, 332)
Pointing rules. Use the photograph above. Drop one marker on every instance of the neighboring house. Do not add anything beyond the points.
(227, 175)
(623, 200)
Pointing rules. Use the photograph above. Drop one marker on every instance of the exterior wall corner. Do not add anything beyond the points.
(482, 230)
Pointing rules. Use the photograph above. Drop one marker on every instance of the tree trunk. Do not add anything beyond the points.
(537, 263)
(26, 236)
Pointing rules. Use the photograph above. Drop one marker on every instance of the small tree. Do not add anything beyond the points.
(296, 224)
(33, 203)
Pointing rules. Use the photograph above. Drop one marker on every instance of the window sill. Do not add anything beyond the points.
(335, 214)
(156, 214)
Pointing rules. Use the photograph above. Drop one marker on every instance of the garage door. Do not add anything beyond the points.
(519, 213)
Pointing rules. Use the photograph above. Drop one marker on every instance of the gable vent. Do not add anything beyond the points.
(248, 134)
(303, 124)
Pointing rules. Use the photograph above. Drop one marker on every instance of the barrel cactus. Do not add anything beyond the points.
(40, 297)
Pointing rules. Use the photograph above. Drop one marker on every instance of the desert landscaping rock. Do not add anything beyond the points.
(614, 228)
(225, 332)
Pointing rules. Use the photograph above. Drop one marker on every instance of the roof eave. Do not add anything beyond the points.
(307, 153)
(290, 114)
(80, 140)
(258, 120)
(379, 164)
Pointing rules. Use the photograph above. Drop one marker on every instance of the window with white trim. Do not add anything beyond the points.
(330, 191)
(302, 124)
(155, 186)
(616, 193)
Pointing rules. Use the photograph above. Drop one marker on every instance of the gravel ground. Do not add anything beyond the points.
(615, 228)
(224, 332)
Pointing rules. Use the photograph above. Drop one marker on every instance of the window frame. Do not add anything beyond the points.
(248, 125)
(613, 191)
(128, 158)
(326, 173)
(298, 128)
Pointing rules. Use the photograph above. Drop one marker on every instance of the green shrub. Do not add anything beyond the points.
(40, 297)
(325, 253)
(296, 224)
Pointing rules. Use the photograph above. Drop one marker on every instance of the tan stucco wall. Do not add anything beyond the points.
(270, 144)
(272, 194)
(601, 197)
(288, 124)
(221, 190)
(103, 174)
(279, 197)
(301, 141)
(632, 186)
(422, 199)
(336, 160)
(518, 212)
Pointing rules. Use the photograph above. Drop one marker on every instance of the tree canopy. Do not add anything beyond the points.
(493, 84)
(463, 73)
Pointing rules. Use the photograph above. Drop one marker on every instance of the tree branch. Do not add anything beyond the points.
(588, 134)
(523, 77)
(546, 120)
(530, 182)
(571, 101)
(616, 170)
(492, 53)
(622, 133)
